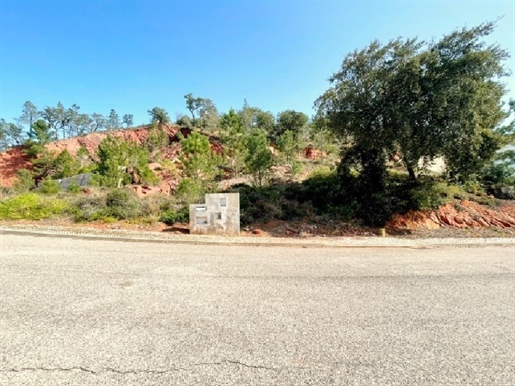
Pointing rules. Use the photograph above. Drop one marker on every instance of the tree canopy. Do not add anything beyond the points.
(423, 99)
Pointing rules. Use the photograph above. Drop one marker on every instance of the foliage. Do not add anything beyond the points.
(171, 216)
(259, 158)
(199, 161)
(290, 120)
(115, 204)
(233, 137)
(116, 158)
(254, 117)
(158, 116)
(423, 99)
(24, 181)
(190, 190)
(113, 120)
(30, 206)
(207, 113)
(156, 140)
(29, 115)
(65, 165)
(49, 186)
(73, 188)
(288, 146)
(122, 204)
(431, 195)
(41, 132)
(128, 120)
(10, 134)
(89, 207)
(266, 203)
(183, 120)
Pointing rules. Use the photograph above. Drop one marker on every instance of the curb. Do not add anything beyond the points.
(315, 242)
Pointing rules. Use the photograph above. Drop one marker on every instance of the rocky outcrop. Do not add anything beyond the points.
(460, 214)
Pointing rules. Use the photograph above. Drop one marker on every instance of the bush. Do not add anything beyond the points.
(90, 208)
(431, 195)
(49, 186)
(503, 191)
(190, 190)
(73, 187)
(171, 216)
(24, 181)
(30, 206)
(122, 204)
(155, 205)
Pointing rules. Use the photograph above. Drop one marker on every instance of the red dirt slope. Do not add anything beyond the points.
(10, 162)
(460, 214)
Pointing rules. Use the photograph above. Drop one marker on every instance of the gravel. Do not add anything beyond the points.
(315, 241)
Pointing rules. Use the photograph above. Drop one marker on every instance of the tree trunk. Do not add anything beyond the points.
(411, 172)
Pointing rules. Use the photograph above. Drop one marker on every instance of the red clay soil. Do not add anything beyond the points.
(460, 214)
(14, 159)
(457, 215)
(92, 140)
(10, 162)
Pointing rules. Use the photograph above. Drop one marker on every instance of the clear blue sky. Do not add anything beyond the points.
(133, 55)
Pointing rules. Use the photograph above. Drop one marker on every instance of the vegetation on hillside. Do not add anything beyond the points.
(391, 109)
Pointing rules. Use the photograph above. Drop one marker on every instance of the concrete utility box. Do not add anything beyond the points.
(220, 215)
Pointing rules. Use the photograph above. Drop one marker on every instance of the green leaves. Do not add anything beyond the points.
(122, 162)
(259, 158)
(198, 160)
(422, 99)
(158, 116)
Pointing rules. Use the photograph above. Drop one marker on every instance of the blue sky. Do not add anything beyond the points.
(133, 55)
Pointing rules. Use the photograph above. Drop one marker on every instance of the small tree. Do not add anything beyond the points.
(234, 140)
(128, 120)
(10, 134)
(293, 121)
(259, 158)
(65, 165)
(29, 115)
(287, 146)
(158, 116)
(113, 120)
(41, 133)
(118, 158)
(199, 161)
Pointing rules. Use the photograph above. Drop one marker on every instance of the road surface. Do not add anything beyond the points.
(102, 312)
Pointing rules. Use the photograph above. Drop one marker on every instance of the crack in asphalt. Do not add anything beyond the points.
(135, 372)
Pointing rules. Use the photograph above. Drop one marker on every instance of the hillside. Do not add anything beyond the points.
(14, 159)
(464, 215)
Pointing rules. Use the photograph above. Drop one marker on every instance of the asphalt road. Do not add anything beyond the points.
(86, 312)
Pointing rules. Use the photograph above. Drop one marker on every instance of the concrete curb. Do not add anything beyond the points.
(314, 242)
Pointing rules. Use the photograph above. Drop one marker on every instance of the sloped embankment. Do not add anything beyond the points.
(14, 159)
(10, 162)
(459, 214)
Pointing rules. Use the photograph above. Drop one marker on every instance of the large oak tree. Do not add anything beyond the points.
(423, 99)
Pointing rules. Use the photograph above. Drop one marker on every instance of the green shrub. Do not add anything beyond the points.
(89, 207)
(122, 204)
(431, 195)
(190, 190)
(153, 206)
(49, 186)
(73, 187)
(24, 181)
(171, 216)
(30, 206)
